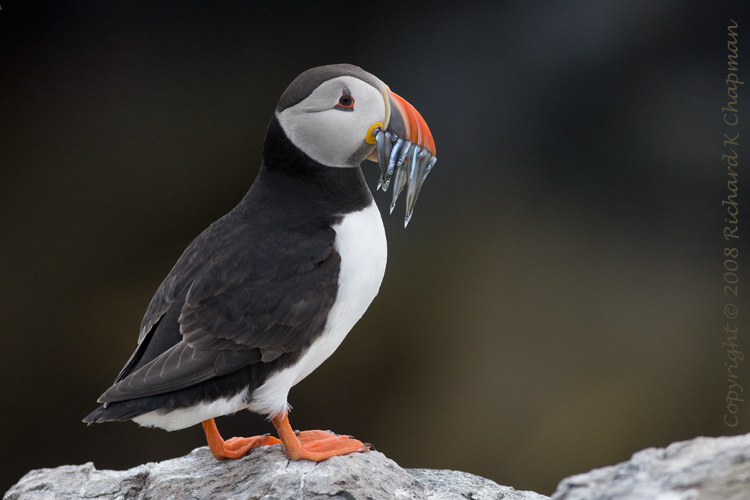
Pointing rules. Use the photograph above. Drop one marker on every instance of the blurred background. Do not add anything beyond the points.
(555, 304)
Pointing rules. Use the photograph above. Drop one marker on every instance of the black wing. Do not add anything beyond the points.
(234, 298)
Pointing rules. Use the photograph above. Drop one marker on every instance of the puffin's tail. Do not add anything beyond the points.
(112, 412)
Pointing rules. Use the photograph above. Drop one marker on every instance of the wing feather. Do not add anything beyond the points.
(231, 300)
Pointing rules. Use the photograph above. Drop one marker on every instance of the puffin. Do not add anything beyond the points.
(268, 292)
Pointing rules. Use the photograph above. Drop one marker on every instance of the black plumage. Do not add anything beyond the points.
(249, 295)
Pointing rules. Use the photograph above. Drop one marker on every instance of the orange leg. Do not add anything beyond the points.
(236, 447)
(313, 445)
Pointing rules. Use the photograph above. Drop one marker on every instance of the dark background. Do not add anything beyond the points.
(555, 304)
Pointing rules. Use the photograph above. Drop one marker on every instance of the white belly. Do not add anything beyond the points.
(186, 417)
(361, 243)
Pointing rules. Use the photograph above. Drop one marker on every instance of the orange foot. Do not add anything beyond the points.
(314, 445)
(236, 447)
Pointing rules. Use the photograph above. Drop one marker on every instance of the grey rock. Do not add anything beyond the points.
(702, 468)
(264, 474)
(453, 485)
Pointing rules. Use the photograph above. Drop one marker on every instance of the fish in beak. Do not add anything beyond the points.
(405, 150)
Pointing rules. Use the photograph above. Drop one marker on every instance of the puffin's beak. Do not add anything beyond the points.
(405, 150)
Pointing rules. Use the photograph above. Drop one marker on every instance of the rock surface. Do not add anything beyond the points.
(700, 469)
(264, 474)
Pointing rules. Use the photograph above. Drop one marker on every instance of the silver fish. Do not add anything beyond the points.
(404, 163)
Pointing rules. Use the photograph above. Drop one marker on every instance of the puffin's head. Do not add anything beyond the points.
(339, 115)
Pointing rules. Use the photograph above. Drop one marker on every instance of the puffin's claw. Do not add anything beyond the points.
(313, 445)
(236, 447)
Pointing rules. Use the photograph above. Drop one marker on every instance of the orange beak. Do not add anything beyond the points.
(405, 150)
(406, 122)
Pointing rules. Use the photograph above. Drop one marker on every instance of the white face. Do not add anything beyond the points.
(329, 134)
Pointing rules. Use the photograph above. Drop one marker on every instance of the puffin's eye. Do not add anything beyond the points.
(346, 103)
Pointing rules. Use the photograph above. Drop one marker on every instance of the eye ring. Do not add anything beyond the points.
(346, 102)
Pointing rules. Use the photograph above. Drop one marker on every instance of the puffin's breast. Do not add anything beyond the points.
(361, 243)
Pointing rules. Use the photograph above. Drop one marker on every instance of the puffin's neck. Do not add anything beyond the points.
(343, 190)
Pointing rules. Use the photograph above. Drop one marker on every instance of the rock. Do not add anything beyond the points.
(703, 468)
(264, 474)
(450, 485)
(700, 469)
